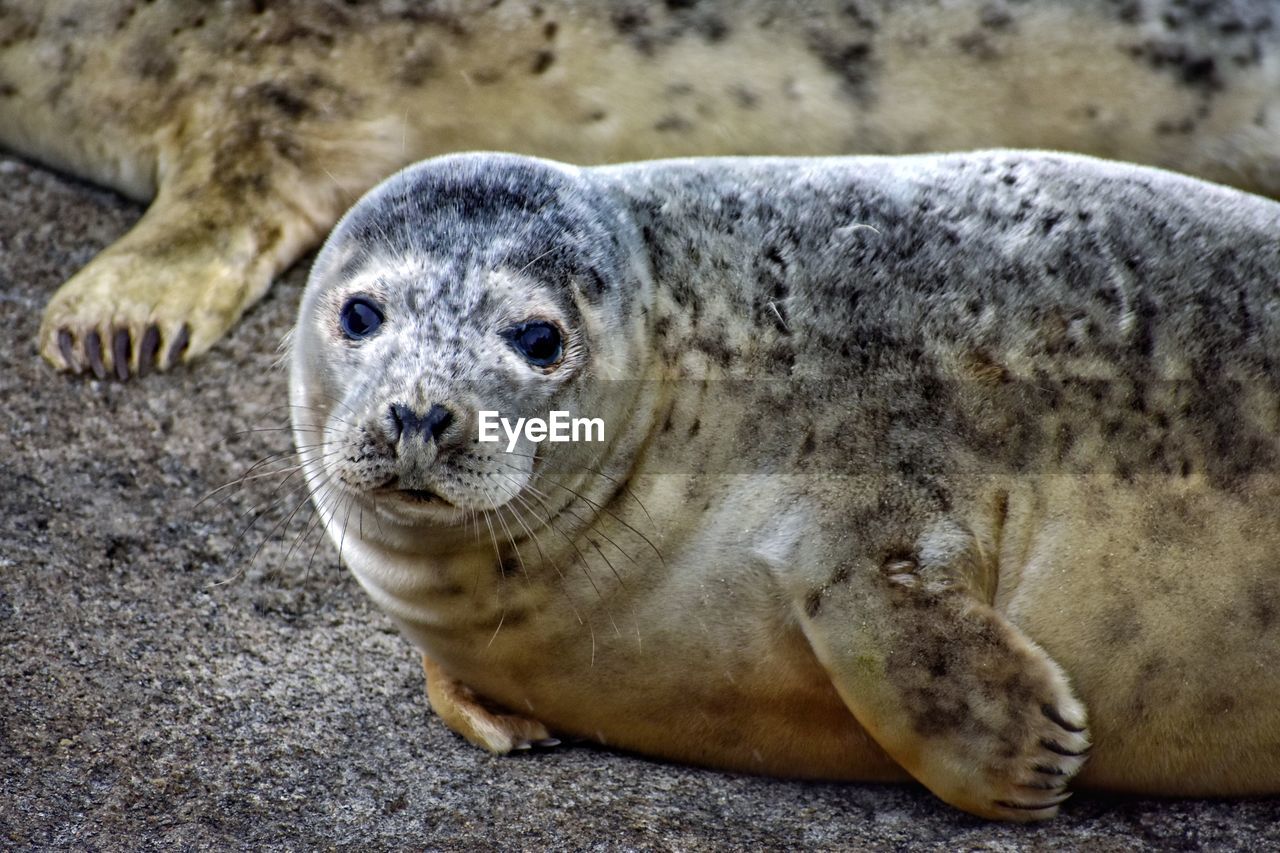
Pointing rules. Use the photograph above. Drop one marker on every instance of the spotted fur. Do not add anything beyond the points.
(251, 126)
(959, 465)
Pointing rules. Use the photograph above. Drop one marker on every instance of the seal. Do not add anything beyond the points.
(957, 467)
(251, 126)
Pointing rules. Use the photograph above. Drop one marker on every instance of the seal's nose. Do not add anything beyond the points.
(429, 427)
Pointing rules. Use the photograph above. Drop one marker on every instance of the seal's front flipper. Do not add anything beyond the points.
(954, 692)
(238, 201)
(463, 712)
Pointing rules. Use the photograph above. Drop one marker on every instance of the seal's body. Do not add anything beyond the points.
(253, 125)
(908, 462)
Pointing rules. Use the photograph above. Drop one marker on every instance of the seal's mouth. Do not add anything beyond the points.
(417, 497)
(421, 496)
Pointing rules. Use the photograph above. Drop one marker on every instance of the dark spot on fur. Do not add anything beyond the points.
(1121, 625)
(808, 445)
(632, 23)
(745, 98)
(995, 18)
(1263, 604)
(713, 29)
(672, 123)
(977, 45)
(986, 368)
(1169, 127)
(715, 345)
(417, 66)
(853, 62)
(1149, 671)
(487, 76)
(277, 97)
(154, 62)
(542, 60)
(1194, 71)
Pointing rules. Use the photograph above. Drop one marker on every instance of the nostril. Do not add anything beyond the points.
(437, 421)
(405, 422)
(400, 416)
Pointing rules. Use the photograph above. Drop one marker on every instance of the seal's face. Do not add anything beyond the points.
(455, 297)
(421, 347)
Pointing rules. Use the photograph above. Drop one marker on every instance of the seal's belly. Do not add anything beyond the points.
(1161, 599)
(744, 695)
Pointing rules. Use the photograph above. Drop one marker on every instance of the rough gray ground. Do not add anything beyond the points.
(157, 689)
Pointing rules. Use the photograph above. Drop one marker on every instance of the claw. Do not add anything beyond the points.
(65, 344)
(1062, 750)
(147, 349)
(1052, 713)
(93, 351)
(179, 346)
(120, 346)
(1049, 771)
(1035, 807)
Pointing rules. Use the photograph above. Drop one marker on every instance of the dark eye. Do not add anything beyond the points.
(360, 317)
(537, 341)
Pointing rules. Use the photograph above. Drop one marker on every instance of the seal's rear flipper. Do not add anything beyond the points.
(462, 711)
(238, 201)
(954, 692)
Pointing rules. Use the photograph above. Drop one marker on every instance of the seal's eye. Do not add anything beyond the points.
(360, 317)
(537, 341)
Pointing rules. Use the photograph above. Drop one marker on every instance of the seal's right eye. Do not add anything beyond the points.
(360, 318)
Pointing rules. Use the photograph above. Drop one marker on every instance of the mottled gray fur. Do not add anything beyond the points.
(973, 435)
(254, 124)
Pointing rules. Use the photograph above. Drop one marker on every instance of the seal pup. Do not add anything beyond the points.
(949, 466)
(250, 126)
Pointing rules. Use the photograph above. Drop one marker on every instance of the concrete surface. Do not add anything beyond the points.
(161, 689)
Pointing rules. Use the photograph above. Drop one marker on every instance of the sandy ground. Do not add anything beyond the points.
(161, 687)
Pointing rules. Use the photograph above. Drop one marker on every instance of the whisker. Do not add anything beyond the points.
(564, 585)
(547, 523)
(582, 558)
(501, 619)
(585, 521)
(606, 511)
(269, 459)
(496, 555)
(622, 486)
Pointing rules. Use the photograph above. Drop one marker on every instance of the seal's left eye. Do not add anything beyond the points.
(360, 317)
(537, 341)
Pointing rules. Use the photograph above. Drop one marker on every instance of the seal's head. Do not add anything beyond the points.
(465, 284)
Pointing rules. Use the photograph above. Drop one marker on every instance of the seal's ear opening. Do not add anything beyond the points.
(595, 283)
